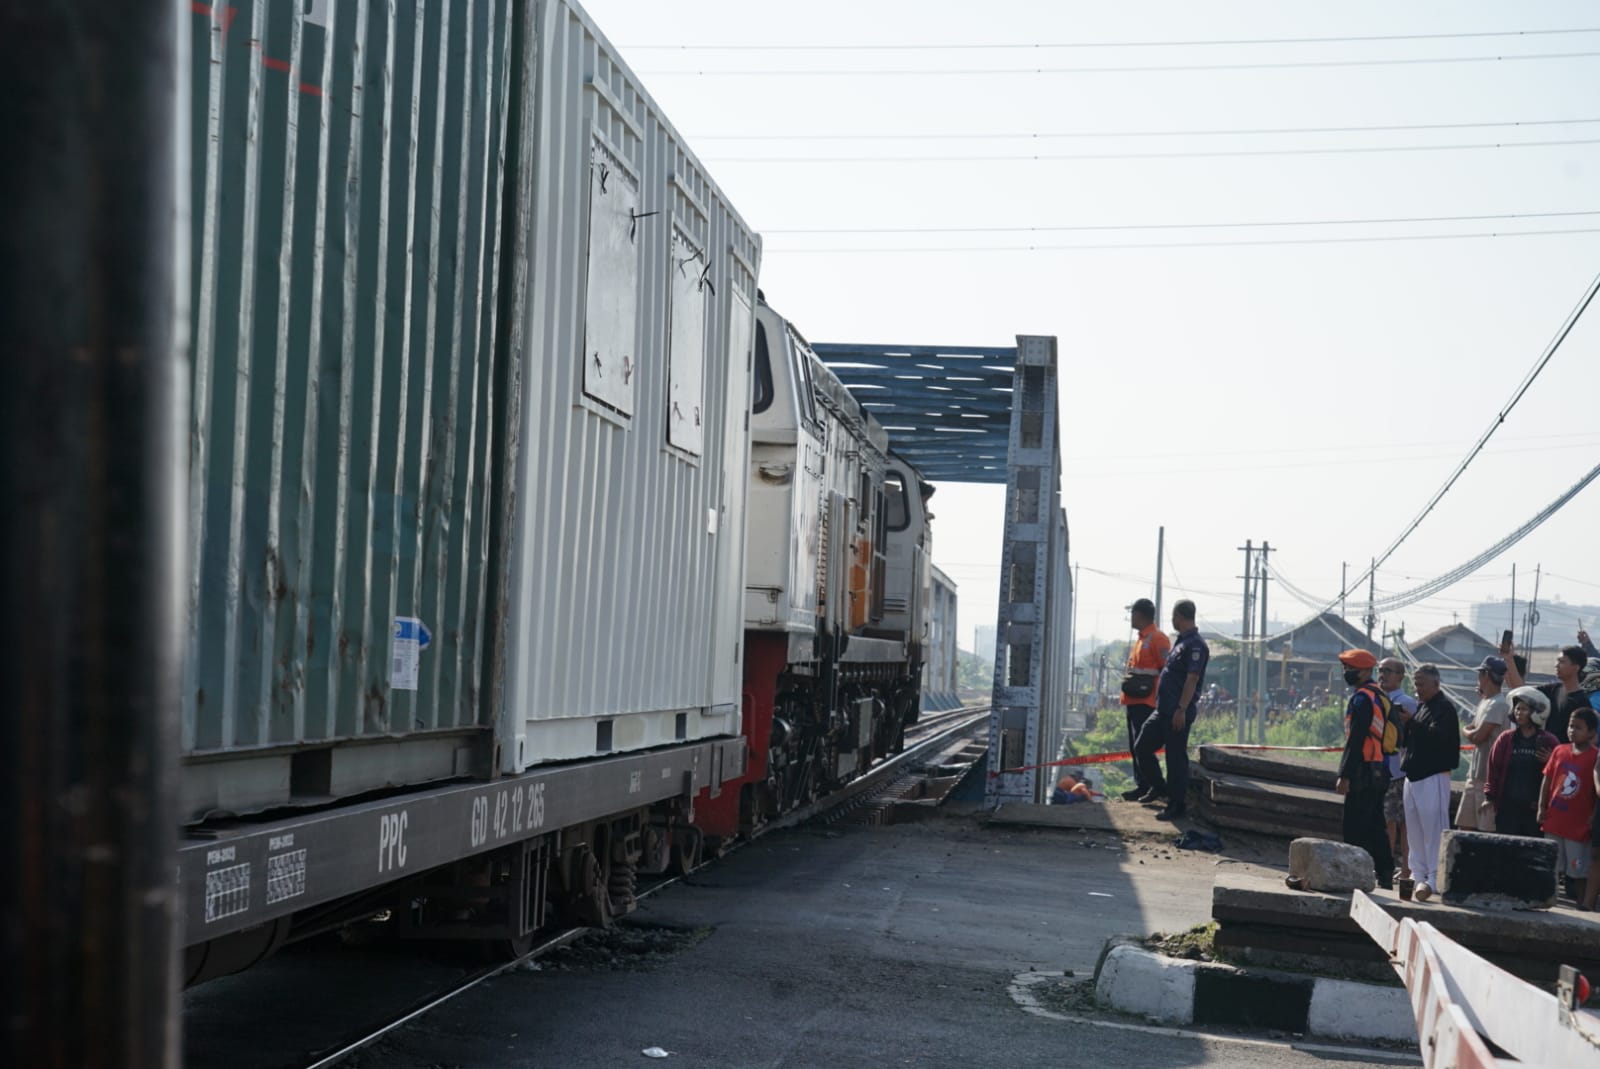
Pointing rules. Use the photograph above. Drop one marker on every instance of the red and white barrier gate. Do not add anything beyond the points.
(1459, 999)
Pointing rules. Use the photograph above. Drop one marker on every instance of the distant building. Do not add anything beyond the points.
(1308, 656)
(1457, 650)
(1558, 620)
(983, 641)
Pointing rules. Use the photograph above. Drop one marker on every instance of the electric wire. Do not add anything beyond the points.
(1439, 583)
(1522, 388)
(903, 46)
(1089, 227)
(1168, 68)
(1207, 154)
(1134, 246)
(1423, 591)
(889, 135)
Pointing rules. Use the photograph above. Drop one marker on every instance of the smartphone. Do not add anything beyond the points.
(1505, 636)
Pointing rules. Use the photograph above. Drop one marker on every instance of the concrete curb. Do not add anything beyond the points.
(1173, 991)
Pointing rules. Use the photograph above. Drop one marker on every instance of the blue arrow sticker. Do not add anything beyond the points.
(411, 637)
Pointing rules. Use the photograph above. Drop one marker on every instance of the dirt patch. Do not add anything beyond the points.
(624, 947)
(1197, 944)
(1069, 995)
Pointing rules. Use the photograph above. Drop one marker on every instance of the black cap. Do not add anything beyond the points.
(1145, 607)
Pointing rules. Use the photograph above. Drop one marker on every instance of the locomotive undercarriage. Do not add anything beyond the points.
(826, 732)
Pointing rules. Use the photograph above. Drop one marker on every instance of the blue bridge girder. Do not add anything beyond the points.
(947, 408)
(978, 414)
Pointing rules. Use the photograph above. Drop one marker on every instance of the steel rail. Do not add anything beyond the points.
(962, 721)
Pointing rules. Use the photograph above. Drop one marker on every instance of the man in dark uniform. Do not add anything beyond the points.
(1363, 777)
(1177, 703)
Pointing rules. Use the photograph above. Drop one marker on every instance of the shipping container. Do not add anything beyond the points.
(471, 334)
(624, 624)
(348, 403)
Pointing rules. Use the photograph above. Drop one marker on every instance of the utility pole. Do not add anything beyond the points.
(1072, 624)
(1372, 596)
(1261, 674)
(1532, 617)
(1513, 597)
(1344, 582)
(1245, 651)
(1161, 545)
(94, 426)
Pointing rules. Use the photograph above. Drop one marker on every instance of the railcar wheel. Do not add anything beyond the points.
(688, 845)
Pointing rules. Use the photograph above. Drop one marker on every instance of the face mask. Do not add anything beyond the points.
(1352, 677)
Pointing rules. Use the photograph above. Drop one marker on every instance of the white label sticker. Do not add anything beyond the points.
(411, 637)
(316, 11)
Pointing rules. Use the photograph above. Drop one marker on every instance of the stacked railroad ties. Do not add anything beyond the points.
(472, 449)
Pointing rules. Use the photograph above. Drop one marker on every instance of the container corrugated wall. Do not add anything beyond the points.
(625, 625)
(347, 414)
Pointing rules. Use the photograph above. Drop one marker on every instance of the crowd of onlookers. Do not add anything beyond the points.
(1531, 764)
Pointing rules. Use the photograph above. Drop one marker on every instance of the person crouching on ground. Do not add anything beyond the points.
(1516, 765)
(1566, 806)
(1363, 776)
(1430, 751)
(1070, 789)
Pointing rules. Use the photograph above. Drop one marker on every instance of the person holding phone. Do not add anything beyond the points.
(1566, 694)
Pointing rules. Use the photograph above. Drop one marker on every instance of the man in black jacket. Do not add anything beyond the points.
(1430, 744)
(1363, 777)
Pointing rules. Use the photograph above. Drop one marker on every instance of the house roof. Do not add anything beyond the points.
(1438, 635)
(1329, 625)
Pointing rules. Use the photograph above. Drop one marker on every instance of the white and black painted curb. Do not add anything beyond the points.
(1177, 992)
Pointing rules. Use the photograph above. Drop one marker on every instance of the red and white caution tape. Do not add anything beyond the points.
(1125, 755)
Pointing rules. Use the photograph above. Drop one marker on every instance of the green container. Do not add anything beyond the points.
(348, 418)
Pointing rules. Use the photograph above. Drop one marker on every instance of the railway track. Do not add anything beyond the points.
(928, 738)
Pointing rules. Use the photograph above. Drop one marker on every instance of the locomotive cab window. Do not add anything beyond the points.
(762, 399)
(894, 493)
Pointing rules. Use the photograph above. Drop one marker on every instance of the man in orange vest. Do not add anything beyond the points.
(1363, 776)
(1145, 661)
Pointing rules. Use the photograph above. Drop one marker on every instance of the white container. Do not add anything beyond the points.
(623, 623)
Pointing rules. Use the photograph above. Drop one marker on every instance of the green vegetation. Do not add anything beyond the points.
(974, 672)
(1322, 726)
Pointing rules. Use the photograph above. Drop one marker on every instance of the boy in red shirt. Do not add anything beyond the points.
(1567, 806)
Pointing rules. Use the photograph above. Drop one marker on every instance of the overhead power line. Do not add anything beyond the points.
(989, 135)
(1170, 68)
(1035, 45)
(1498, 421)
(1241, 225)
(1423, 591)
(839, 250)
(1527, 382)
(1045, 157)
(1433, 586)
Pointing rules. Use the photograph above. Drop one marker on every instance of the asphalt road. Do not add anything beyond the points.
(857, 947)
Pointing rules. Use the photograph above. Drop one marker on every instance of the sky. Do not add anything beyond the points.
(1228, 382)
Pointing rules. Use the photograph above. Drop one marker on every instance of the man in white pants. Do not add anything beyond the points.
(1430, 745)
